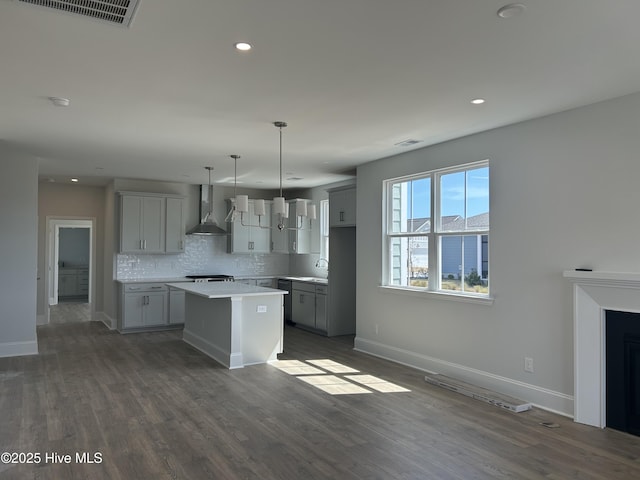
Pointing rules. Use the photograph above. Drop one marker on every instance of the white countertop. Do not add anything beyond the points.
(225, 289)
(153, 280)
(316, 280)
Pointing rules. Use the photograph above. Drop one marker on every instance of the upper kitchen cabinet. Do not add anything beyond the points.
(250, 233)
(302, 230)
(176, 225)
(342, 206)
(148, 222)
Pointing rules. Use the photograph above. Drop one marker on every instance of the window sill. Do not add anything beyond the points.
(453, 297)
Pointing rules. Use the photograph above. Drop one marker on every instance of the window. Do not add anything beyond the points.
(324, 229)
(437, 231)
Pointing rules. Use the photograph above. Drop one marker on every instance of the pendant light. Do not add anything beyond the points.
(280, 207)
(241, 202)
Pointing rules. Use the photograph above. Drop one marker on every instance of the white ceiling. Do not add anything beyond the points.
(169, 95)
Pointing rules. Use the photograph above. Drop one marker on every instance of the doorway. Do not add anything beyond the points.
(70, 270)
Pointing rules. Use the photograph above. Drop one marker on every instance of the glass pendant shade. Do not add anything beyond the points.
(258, 207)
(242, 203)
(278, 206)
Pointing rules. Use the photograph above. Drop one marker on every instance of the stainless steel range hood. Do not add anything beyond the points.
(208, 223)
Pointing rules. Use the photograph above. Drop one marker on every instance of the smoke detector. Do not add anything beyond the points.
(119, 12)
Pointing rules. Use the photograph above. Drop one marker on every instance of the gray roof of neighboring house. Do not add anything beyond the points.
(449, 222)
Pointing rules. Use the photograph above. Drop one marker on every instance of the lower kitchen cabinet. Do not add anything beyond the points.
(309, 305)
(150, 306)
(144, 309)
(176, 306)
(73, 282)
(321, 307)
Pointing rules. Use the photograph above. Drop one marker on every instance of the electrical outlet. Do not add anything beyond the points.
(528, 364)
(261, 309)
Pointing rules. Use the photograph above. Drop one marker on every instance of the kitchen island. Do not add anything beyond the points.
(233, 323)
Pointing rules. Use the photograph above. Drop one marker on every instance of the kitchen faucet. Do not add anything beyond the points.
(322, 260)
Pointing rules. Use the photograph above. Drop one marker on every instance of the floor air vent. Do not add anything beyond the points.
(482, 394)
(119, 12)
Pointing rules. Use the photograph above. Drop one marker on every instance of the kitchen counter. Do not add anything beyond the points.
(225, 289)
(153, 280)
(233, 323)
(316, 280)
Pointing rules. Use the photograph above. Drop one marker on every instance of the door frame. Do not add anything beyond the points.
(54, 224)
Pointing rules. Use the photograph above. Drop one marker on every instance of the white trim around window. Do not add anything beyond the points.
(436, 233)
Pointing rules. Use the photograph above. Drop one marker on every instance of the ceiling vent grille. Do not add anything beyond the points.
(119, 12)
(407, 143)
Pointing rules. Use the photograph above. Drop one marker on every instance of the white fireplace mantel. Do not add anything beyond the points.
(593, 294)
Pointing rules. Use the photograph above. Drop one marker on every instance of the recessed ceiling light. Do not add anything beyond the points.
(243, 46)
(478, 101)
(511, 10)
(74, 180)
(59, 101)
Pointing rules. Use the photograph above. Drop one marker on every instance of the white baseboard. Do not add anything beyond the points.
(225, 358)
(17, 349)
(106, 319)
(540, 397)
(41, 320)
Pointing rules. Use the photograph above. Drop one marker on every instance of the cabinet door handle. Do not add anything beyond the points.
(140, 244)
(294, 245)
(342, 216)
(153, 288)
(145, 244)
(301, 298)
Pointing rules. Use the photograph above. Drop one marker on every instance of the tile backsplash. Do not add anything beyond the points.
(202, 255)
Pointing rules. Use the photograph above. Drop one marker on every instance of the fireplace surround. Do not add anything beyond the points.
(593, 294)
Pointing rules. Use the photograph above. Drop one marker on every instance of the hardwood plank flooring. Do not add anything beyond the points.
(154, 407)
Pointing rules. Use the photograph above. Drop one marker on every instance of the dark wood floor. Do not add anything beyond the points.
(155, 408)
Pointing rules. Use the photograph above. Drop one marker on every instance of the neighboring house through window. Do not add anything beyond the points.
(451, 252)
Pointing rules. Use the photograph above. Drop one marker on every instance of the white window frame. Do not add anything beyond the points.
(324, 229)
(434, 237)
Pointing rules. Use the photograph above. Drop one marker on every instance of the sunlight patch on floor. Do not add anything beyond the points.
(333, 367)
(322, 374)
(376, 383)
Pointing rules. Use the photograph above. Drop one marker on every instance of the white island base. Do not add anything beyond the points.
(235, 324)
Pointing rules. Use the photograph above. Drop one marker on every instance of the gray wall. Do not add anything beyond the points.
(18, 244)
(564, 194)
(73, 247)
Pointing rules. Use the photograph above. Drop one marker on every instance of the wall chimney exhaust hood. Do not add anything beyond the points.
(208, 224)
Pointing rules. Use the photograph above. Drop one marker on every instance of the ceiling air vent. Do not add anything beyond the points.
(119, 12)
(407, 143)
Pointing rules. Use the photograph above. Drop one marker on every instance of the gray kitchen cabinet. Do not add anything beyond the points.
(300, 233)
(142, 224)
(176, 306)
(73, 282)
(321, 307)
(250, 233)
(83, 281)
(67, 283)
(175, 225)
(309, 305)
(279, 238)
(151, 223)
(144, 305)
(303, 304)
(342, 206)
